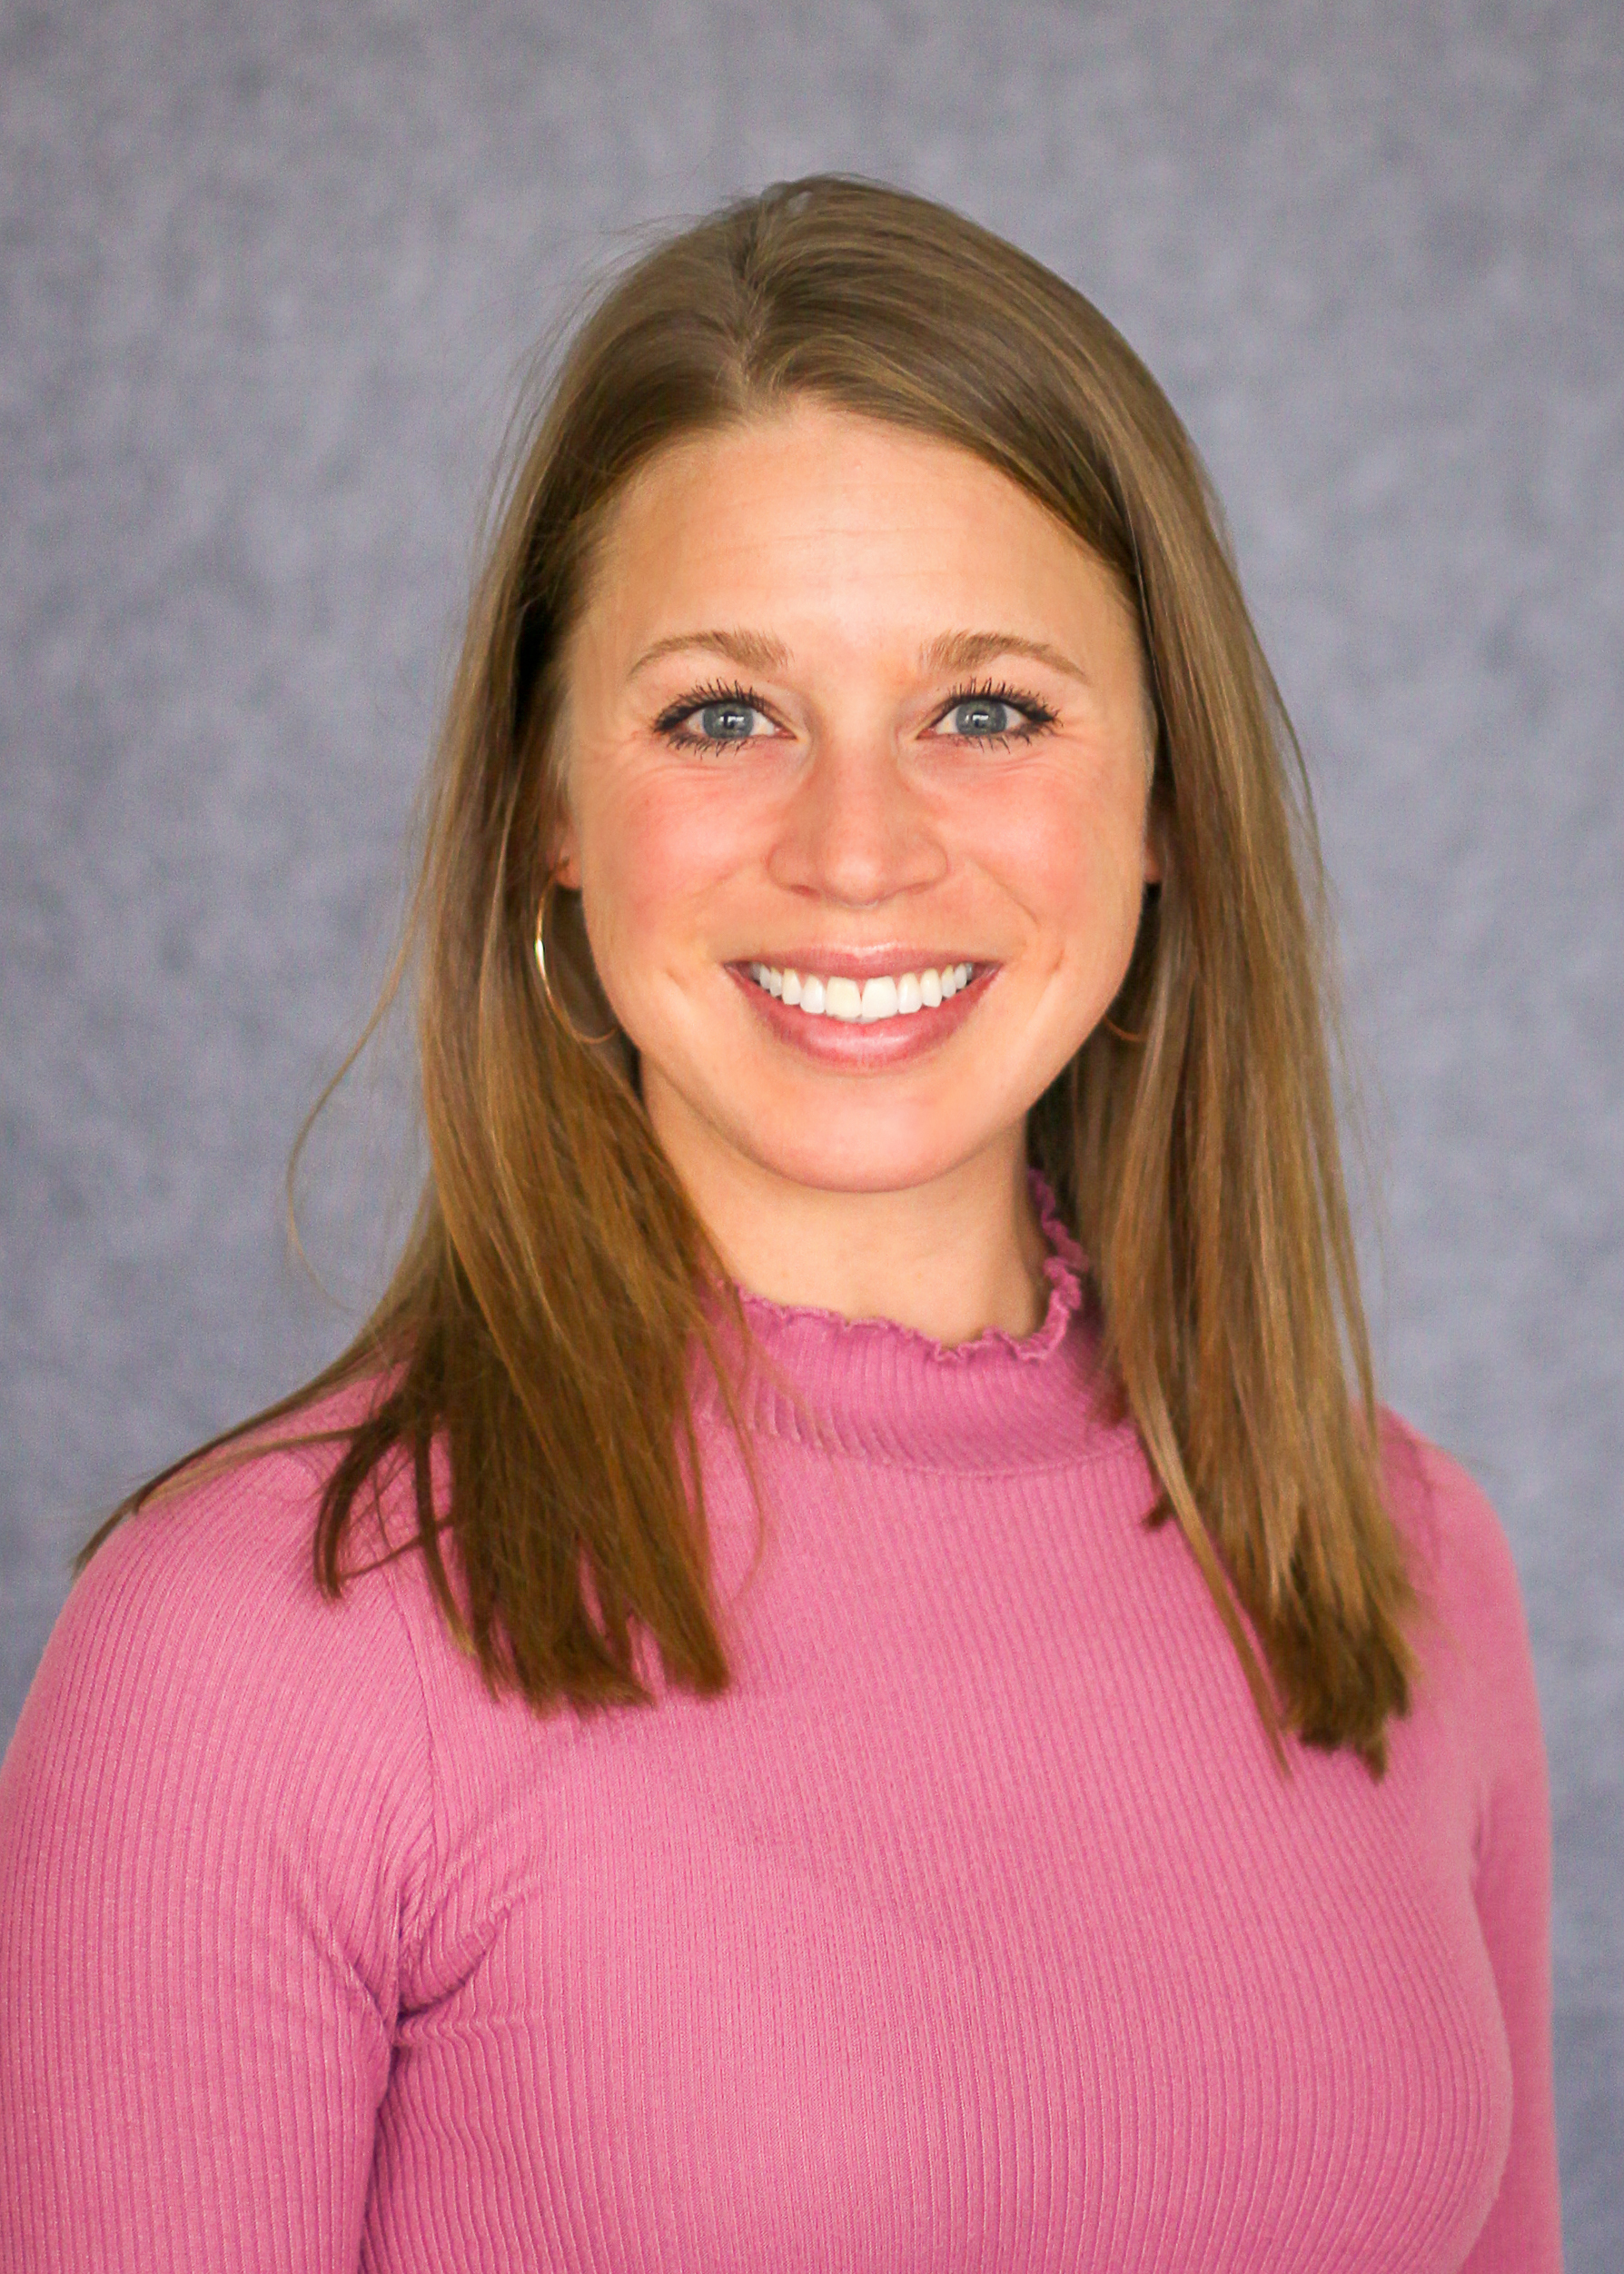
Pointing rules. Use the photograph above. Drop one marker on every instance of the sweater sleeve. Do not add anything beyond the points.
(214, 1818)
(1522, 2234)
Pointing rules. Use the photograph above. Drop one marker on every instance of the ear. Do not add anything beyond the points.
(1155, 862)
(565, 863)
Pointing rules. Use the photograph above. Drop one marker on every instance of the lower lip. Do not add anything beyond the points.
(848, 1043)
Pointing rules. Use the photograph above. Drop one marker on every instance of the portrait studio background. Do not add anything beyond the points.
(267, 287)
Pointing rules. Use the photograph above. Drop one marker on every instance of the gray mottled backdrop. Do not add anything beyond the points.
(267, 280)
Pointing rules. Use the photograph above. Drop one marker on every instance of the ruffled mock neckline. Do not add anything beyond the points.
(1064, 1267)
(881, 1391)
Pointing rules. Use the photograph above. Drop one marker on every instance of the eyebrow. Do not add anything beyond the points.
(951, 652)
(967, 650)
(751, 650)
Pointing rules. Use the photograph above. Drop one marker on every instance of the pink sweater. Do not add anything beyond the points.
(973, 1929)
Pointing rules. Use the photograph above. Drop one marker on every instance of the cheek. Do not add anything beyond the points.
(654, 852)
(1073, 859)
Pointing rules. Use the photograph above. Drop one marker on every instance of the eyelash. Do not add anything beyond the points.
(1038, 714)
(718, 691)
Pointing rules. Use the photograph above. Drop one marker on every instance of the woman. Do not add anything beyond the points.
(883, 1303)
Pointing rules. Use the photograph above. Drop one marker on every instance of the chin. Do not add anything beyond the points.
(837, 1153)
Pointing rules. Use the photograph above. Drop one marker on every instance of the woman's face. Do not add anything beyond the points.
(846, 703)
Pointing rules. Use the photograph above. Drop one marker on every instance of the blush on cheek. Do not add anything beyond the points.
(1072, 837)
(1048, 857)
(1082, 891)
(663, 855)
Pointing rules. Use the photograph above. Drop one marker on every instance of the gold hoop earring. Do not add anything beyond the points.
(553, 1004)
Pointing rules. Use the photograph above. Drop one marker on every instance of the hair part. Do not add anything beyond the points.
(558, 1284)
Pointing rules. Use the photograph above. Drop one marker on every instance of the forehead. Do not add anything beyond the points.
(821, 518)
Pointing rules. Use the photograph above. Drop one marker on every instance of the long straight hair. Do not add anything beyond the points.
(540, 1325)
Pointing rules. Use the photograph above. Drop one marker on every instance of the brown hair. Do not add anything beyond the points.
(541, 1321)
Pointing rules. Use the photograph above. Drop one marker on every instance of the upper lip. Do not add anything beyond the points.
(863, 963)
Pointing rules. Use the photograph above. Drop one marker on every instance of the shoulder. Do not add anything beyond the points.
(1473, 1630)
(201, 1696)
(1459, 1543)
(218, 1574)
(208, 1728)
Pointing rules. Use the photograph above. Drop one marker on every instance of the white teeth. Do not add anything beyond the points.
(868, 1001)
(842, 999)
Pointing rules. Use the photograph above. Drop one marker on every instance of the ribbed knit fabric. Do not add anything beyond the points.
(975, 1927)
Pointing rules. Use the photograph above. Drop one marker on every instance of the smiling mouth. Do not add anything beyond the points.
(866, 1001)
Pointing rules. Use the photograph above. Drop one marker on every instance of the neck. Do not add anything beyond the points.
(950, 1258)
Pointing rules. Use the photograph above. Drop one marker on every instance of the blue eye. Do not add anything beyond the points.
(993, 714)
(725, 721)
(984, 714)
(709, 716)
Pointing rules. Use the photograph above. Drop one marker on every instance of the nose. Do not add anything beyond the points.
(854, 831)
